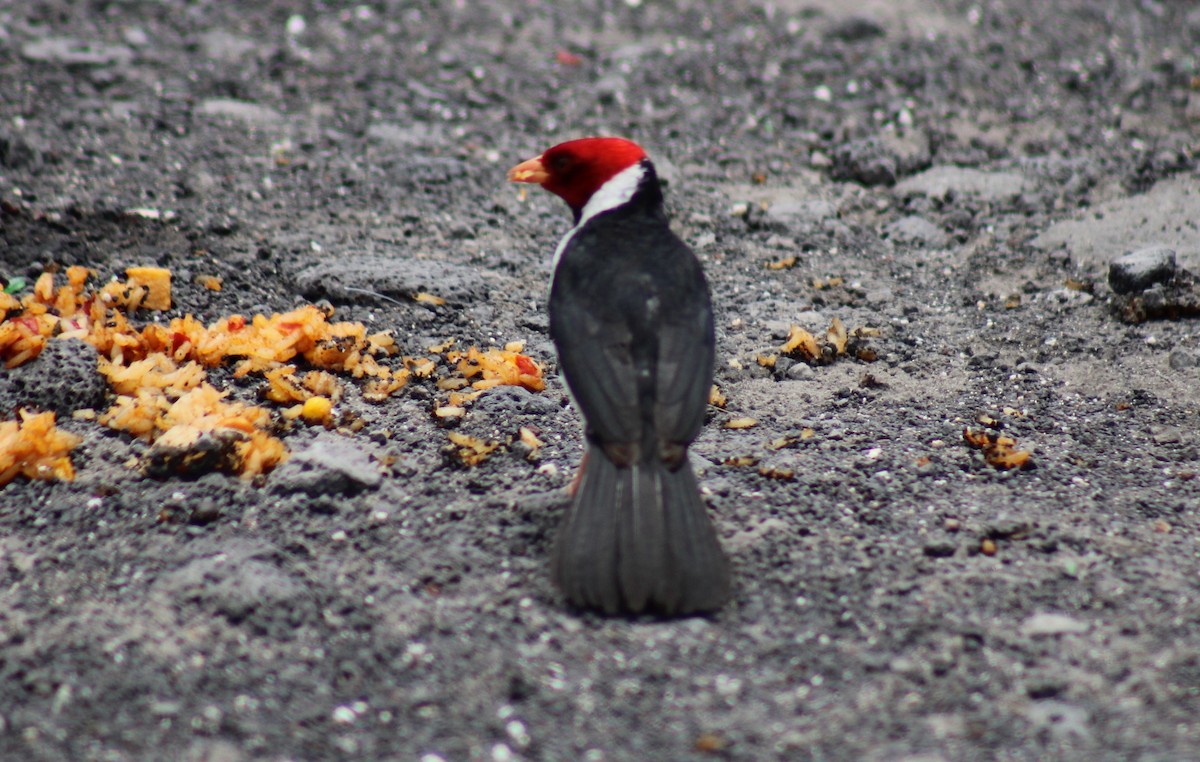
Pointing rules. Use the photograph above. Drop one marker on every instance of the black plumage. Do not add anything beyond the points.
(631, 317)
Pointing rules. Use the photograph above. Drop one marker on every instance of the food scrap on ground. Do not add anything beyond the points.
(530, 439)
(497, 367)
(159, 372)
(469, 450)
(741, 423)
(430, 299)
(740, 461)
(999, 450)
(35, 447)
(777, 473)
(716, 397)
(837, 342)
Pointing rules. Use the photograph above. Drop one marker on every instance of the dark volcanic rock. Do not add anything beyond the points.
(364, 277)
(63, 378)
(1139, 270)
(864, 161)
(330, 465)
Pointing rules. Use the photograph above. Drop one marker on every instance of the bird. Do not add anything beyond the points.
(632, 322)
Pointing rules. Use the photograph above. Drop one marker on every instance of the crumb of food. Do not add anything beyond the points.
(709, 743)
(33, 446)
(716, 397)
(427, 298)
(836, 342)
(779, 474)
(469, 450)
(317, 409)
(836, 336)
(741, 423)
(801, 343)
(156, 284)
(740, 461)
(496, 367)
(159, 371)
(999, 451)
(530, 439)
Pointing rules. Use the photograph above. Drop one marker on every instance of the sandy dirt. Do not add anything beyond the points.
(955, 175)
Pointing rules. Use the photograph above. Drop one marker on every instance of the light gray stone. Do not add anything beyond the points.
(1047, 623)
(942, 182)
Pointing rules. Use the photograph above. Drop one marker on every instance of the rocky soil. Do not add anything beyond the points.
(955, 174)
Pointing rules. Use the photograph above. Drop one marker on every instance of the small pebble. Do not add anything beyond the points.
(206, 512)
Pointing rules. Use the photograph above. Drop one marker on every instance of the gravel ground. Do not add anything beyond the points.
(955, 174)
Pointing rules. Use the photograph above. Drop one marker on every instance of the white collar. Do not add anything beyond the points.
(617, 190)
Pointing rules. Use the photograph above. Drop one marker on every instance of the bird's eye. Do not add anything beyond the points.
(562, 163)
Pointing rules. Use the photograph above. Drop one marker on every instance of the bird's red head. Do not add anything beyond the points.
(578, 168)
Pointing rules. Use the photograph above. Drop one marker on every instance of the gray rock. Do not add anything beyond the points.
(939, 548)
(198, 182)
(782, 366)
(1166, 434)
(801, 372)
(801, 214)
(251, 114)
(18, 151)
(1182, 360)
(1065, 722)
(330, 465)
(1155, 215)
(238, 579)
(205, 750)
(432, 170)
(1046, 624)
(514, 400)
(880, 160)
(415, 134)
(1139, 270)
(865, 162)
(73, 52)
(358, 277)
(943, 182)
(878, 297)
(135, 36)
(63, 378)
(916, 230)
(220, 45)
(855, 28)
(206, 453)
(611, 89)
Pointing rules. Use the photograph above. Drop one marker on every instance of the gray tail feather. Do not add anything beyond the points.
(638, 539)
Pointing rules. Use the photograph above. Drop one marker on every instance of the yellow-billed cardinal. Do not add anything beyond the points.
(631, 318)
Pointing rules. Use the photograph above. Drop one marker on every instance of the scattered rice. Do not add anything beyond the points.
(158, 371)
(34, 446)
